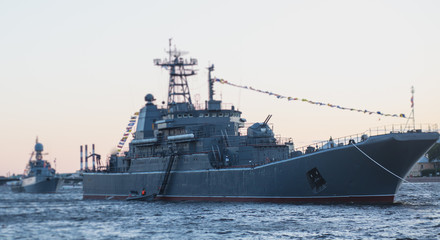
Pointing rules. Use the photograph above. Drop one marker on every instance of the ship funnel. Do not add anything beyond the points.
(81, 150)
(96, 159)
(93, 157)
(86, 167)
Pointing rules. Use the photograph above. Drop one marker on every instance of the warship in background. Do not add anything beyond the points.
(184, 152)
(39, 176)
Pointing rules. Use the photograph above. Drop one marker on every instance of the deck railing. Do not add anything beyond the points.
(360, 137)
(203, 106)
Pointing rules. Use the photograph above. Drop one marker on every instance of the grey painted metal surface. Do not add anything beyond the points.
(214, 161)
(39, 176)
(347, 173)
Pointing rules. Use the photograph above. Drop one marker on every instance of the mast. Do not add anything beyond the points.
(411, 115)
(211, 83)
(412, 108)
(212, 104)
(179, 97)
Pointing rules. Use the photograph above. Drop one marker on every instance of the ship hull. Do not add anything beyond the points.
(39, 185)
(342, 174)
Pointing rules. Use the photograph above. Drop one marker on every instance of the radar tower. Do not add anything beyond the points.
(179, 97)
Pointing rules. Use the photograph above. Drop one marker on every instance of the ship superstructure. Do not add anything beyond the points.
(180, 152)
(39, 176)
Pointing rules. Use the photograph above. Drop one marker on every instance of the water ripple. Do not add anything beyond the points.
(415, 215)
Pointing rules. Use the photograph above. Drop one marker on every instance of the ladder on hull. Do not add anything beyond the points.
(167, 174)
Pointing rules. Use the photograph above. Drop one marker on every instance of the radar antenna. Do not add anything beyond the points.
(38, 150)
(179, 97)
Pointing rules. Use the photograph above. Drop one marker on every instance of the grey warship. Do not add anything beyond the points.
(184, 152)
(39, 176)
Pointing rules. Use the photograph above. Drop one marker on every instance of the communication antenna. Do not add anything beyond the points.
(411, 115)
(412, 108)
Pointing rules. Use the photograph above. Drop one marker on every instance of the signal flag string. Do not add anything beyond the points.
(128, 130)
(222, 81)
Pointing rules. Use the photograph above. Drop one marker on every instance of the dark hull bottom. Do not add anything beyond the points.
(387, 199)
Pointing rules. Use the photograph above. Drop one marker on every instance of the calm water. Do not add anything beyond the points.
(416, 215)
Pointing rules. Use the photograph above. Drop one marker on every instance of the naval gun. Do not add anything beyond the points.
(261, 130)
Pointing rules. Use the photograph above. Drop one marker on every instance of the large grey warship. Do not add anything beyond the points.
(39, 176)
(185, 152)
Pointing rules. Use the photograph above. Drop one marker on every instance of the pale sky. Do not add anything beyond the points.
(73, 72)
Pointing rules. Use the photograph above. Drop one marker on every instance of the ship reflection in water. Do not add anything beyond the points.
(415, 215)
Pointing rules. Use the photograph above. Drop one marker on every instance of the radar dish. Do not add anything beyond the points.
(149, 98)
(38, 147)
